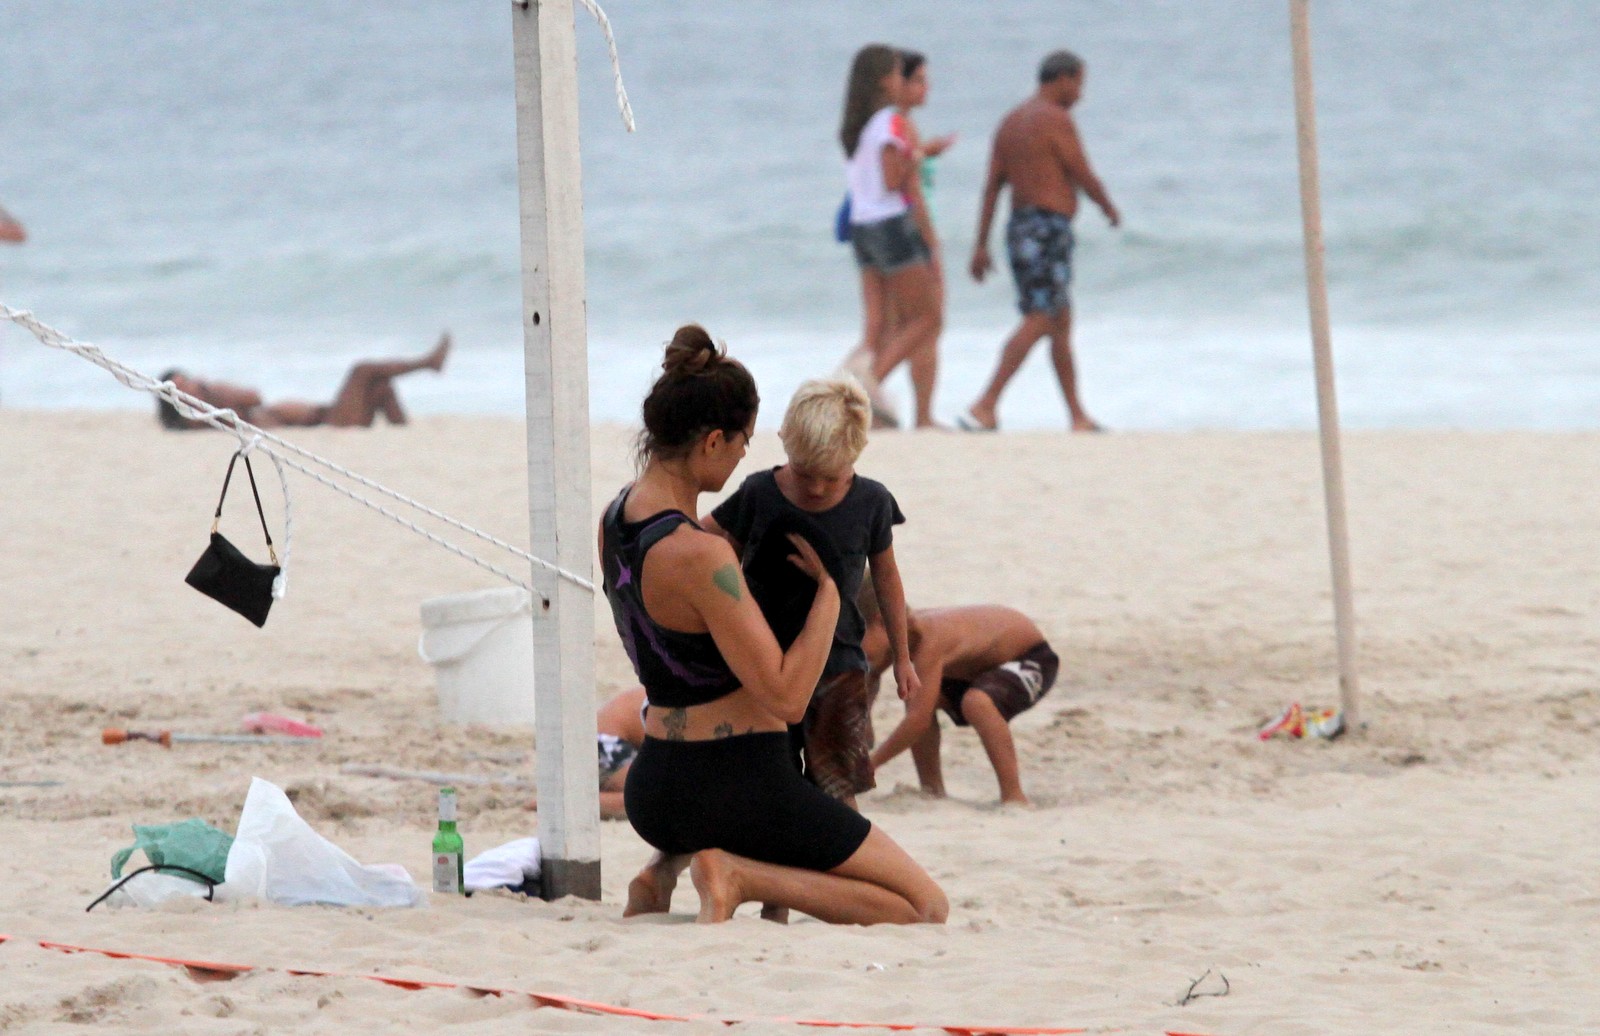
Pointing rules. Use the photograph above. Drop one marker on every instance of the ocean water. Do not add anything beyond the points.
(267, 191)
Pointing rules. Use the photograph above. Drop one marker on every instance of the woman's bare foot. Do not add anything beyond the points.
(1086, 424)
(714, 878)
(650, 892)
(435, 359)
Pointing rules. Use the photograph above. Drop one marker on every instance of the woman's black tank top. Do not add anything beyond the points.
(677, 669)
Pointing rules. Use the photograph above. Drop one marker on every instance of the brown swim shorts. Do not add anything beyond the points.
(838, 735)
(1015, 687)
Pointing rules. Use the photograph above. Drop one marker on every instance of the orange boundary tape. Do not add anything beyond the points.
(214, 971)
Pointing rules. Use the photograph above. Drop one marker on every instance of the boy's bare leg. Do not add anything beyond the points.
(925, 755)
(1066, 372)
(979, 710)
(1034, 326)
(650, 892)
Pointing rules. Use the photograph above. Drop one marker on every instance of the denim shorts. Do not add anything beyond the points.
(889, 245)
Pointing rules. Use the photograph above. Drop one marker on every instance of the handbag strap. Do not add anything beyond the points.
(260, 512)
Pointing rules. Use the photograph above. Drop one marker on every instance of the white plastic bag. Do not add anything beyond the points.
(276, 856)
(152, 888)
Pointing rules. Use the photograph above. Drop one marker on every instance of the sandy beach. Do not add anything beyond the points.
(1436, 872)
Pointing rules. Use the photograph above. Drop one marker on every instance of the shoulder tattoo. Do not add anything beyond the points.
(727, 580)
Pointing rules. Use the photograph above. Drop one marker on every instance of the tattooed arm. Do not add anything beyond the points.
(781, 681)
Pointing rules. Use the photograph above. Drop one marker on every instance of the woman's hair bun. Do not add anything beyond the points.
(690, 352)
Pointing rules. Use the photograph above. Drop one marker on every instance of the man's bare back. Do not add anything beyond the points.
(975, 638)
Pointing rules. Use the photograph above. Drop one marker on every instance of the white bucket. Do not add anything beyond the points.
(481, 648)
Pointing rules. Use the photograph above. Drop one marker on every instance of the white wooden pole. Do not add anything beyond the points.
(1322, 348)
(555, 352)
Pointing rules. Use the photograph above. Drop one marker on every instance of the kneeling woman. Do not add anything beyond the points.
(714, 783)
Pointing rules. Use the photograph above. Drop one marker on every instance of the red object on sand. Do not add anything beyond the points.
(1291, 721)
(271, 723)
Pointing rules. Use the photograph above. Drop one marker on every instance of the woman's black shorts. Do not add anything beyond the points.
(741, 794)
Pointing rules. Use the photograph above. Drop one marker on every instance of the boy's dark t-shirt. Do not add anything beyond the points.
(860, 525)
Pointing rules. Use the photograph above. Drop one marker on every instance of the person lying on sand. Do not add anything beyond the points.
(368, 390)
(619, 731)
(984, 665)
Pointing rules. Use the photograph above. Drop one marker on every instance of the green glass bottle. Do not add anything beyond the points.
(448, 851)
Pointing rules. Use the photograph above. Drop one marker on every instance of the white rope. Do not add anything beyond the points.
(616, 62)
(276, 448)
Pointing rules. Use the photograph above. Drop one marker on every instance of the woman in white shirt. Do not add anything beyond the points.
(889, 229)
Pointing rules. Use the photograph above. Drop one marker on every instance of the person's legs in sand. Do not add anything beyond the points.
(367, 389)
(1034, 326)
(979, 710)
(1066, 371)
(878, 884)
(985, 412)
(913, 296)
(875, 321)
(924, 368)
(924, 365)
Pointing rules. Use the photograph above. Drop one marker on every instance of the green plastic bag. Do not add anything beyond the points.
(194, 844)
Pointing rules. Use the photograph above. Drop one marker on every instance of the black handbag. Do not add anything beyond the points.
(225, 574)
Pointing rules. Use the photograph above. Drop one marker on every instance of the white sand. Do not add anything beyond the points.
(1440, 873)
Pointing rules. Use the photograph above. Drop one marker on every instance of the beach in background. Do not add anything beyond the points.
(1436, 874)
(266, 192)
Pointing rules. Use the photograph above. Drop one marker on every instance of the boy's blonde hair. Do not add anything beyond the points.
(826, 423)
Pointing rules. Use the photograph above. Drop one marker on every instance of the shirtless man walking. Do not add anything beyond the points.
(1037, 154)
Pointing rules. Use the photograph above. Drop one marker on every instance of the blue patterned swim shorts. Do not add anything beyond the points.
(1039, 243)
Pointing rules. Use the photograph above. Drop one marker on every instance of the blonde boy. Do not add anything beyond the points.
(824, 431)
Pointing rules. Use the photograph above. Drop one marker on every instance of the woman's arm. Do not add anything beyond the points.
(714, 586)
